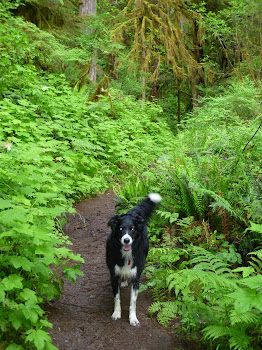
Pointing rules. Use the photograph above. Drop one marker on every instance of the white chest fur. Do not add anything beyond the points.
(126, 272)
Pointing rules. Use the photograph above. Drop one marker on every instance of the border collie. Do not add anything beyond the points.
(126, 251)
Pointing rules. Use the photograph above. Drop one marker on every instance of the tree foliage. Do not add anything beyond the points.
(157, 30)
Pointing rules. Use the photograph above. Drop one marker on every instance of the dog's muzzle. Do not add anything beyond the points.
(126, 241)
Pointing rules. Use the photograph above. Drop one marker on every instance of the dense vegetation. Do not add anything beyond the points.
(205, 266)
(198, 143)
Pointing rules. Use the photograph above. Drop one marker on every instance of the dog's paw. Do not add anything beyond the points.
(116, 315)
(134, 322)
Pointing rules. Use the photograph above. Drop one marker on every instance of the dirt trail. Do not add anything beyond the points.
(81, 317)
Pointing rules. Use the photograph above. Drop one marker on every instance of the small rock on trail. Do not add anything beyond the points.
(82, 316)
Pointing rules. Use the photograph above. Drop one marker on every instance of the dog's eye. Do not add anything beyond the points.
(132, 229)
(120, 228)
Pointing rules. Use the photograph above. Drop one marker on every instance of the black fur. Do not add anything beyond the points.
(132, 225)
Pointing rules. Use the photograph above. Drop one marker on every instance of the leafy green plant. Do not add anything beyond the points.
(206, 294)
(55, 147)
(210, 184)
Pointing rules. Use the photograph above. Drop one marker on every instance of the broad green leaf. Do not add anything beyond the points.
(72, 272)
(28, 294)
(252, 282)
(15, 347)
(13, 216)
(2, 293)
(12, 282)
(22, 199)
(31, 310)
(21, 261)
(246, 299)
(8, 233)
(17, 319)
(5, 203)
(38, 337)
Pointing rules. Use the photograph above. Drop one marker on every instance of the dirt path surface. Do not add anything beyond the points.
(81, 317)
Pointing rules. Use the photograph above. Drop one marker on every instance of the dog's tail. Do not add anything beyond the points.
(146, 207)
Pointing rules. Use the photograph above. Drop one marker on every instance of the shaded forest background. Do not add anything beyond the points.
(157, 95)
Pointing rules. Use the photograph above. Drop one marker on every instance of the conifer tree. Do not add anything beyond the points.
(158, 29)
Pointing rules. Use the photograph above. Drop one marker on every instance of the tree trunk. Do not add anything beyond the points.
(88, 8)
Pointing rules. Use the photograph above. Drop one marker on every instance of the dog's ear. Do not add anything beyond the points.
(112, 222)
(140, 222)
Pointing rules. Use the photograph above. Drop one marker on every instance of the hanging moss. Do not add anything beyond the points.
(158, 36)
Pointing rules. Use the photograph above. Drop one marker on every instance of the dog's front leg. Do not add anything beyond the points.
(132, 310)
(116, 291)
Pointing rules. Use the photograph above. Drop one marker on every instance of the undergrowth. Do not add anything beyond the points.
(56, 147)
(204, 267)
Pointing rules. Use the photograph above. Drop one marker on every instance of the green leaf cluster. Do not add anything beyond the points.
(201, 271)
(207, 295)
(55, 147)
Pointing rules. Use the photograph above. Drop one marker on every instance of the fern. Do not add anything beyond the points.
(155, 307)
(212, 295)
(219, 201)
(207, 261)
(190, 201)
(238, 339)
(247, 317)
(199, 281)
(166, 311)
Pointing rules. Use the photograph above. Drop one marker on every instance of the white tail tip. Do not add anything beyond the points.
(155, 197)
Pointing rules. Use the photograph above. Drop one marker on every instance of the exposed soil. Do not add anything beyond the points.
(82, 316)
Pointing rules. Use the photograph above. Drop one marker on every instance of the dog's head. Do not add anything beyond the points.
(126, 228)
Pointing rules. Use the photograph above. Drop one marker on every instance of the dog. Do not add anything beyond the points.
(126, 251)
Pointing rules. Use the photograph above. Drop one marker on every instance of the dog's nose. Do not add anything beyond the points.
(126, 240)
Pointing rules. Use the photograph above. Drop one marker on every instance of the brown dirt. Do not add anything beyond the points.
(81, 317)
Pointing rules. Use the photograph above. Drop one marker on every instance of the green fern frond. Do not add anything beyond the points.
(254, 282)
(155, 307)
(187, 202)
(85, 144)
(186, 281)
(167, 314)
(219, 202)
(167, 311)
(256, 264)
(240, 342)
(248, 317)
(238, 339)
(258, 253)
(208, 261)
(255, 228)
(214, 332)
(208, 271)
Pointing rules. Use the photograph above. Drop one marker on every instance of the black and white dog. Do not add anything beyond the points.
(126, 252)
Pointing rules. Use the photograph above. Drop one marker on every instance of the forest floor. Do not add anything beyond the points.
(82, 315)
